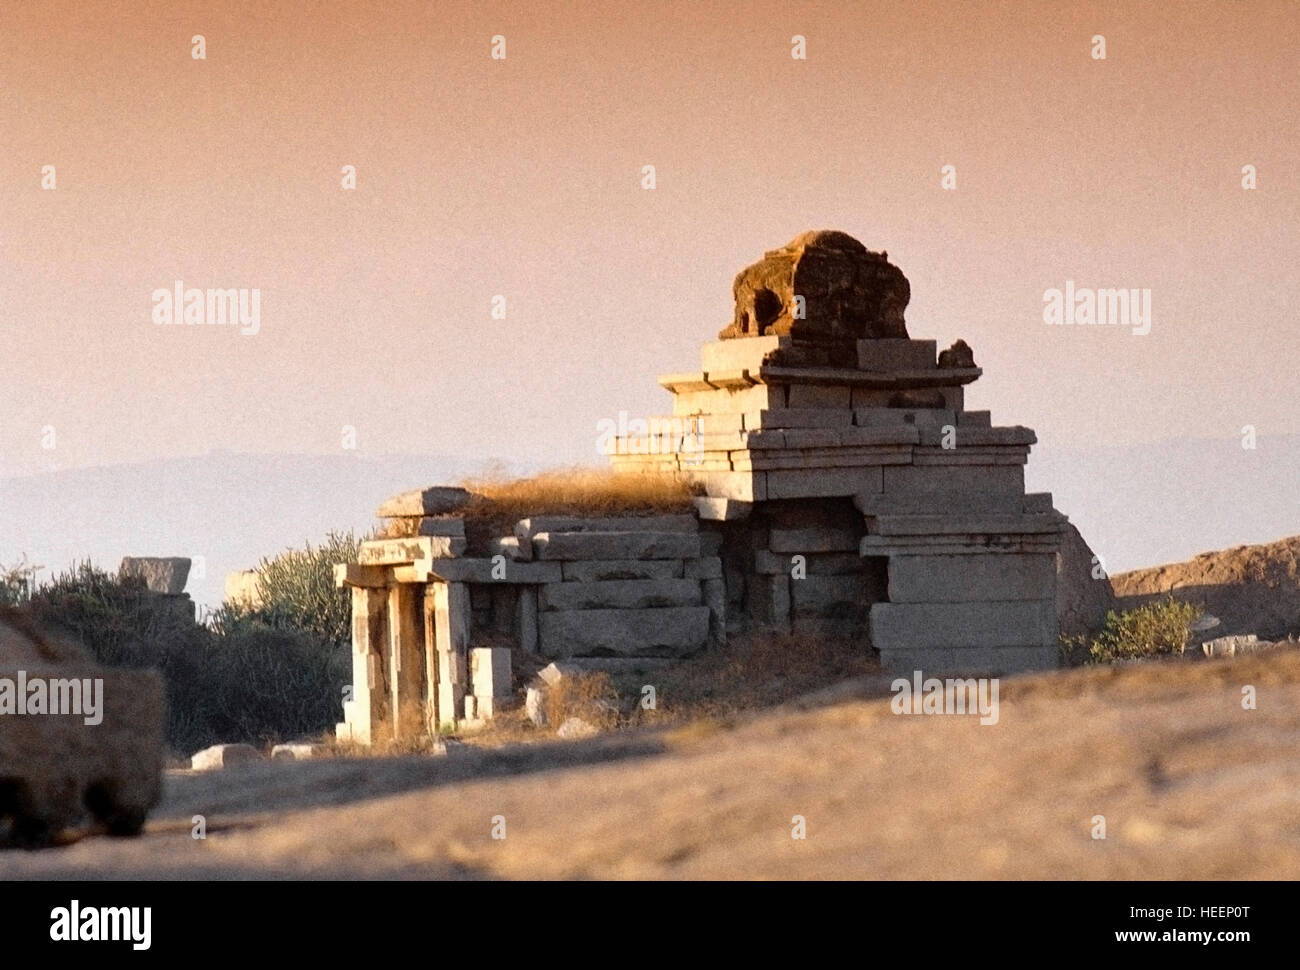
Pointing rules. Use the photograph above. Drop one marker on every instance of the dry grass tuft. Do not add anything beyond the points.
(752, 672)
(591, 697)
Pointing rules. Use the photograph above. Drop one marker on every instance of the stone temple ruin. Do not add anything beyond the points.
(845, 492)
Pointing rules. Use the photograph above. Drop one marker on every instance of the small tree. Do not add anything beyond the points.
(297, 592)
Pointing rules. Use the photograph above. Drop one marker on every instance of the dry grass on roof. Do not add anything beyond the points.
(500, 501)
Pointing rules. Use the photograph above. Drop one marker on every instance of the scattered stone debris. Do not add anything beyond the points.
(575, 728)
(1234, 645)
(221, 756)
(535, 706)
(297, 751)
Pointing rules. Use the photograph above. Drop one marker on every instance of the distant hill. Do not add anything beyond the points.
(229, 509)
(1134, 506)
(1251, 589)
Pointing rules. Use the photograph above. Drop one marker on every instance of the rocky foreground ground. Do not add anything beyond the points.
(1191, 785)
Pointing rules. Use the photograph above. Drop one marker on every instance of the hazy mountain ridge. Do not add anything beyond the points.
(1136, 506)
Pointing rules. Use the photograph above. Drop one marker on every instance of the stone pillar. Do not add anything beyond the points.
(527, 622)
(451, 611)
(405, 675)
(368, 709)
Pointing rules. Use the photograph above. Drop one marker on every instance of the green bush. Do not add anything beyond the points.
(248, 682)
(297, 592)
(1155, 629)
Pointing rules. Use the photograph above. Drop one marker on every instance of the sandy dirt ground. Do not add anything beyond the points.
(1191, 785)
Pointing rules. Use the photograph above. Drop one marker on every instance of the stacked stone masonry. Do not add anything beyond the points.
(845, 491)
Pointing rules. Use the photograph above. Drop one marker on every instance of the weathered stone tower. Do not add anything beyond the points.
(855, 494)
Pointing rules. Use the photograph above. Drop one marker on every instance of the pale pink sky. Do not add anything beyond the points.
(479, 177)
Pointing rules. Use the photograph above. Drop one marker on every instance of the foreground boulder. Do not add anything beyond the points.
(79, 743)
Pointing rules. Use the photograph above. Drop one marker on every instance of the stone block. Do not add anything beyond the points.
(906, 479)
(442, 526)
(604, 570)
(971, 578)
(297, 751)
(160, 574)
(671, 631)
(223, 756)
(842, 597)
(436, 500)
(904, 417)
(812, 438)
(708, 567)
(487, 571)
(526, 623)
(489, 672)
(394, 552)
(715, 598)
(535, 706)
(745, 486)
(965, 523)
(1009, 623)
(626, 594)
(819, 396)
(938, 502)
(813, 539)
(799, 418)
(715, 401)
(894, 354)
(769, 604)
(1038, 503)
(747, 354)
(575, 729)
(511, 548)
(965, 436)
(616, 545)
(243, 588)
(824, 483)
(974, 419)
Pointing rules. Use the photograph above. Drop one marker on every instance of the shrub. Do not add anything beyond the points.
(248, 682)
(297, 593)
(1154, 629)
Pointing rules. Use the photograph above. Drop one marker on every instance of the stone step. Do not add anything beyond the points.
(615, 545)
